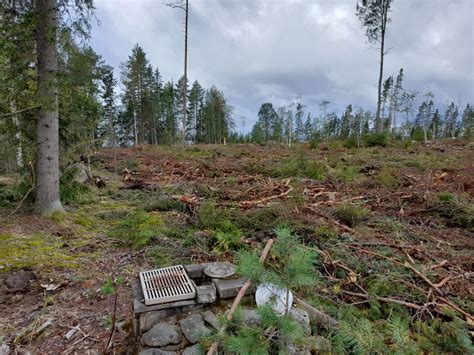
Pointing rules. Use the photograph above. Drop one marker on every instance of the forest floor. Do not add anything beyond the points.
(393, 227)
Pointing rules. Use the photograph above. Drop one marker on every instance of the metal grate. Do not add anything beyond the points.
(168, 284)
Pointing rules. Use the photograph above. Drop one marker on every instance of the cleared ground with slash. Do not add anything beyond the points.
(393, 228)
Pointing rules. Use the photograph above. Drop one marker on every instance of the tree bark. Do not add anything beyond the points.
(47, 131)
(378, 119)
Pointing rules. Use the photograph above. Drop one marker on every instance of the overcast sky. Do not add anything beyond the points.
(257, 51)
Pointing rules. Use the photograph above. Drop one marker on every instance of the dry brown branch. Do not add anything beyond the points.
(330, 219)
(264, 199)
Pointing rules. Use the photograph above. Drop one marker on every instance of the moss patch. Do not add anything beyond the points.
(38, 250)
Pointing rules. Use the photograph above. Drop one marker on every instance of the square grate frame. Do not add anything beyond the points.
(167, 284)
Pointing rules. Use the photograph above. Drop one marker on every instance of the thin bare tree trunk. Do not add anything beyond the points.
(47, 132)
(185, 93)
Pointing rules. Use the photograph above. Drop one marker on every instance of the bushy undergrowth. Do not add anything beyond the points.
(137, 229)
(301, 166)
(14, 192)
(70, 190)
(375, 140)
(456, 211)
(350, 215)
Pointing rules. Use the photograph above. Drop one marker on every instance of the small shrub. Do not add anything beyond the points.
(347, 174)
(387, 177)
(351, 143)
(351, 215)
(11, 193)
(70, 190)
(301, 167)
(138, 229)
(325, 233)
(446, 197)
(457, 213)
(375, 140)
(227, 241)
(210, 216)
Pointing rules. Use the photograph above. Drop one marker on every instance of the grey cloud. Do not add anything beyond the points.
(258, 51)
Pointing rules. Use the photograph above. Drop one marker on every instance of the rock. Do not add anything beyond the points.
(219, 270)
(20, 281)
(156, 352)
(230, 288)
(211, 319)
(302, 317)
(193, 327)
(149, 319)
(161, 334)
(250, 317)
(194, 350)
(206, 293)
(194, 271)
(81, 173)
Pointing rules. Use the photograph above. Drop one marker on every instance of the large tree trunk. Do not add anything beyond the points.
(47, 164)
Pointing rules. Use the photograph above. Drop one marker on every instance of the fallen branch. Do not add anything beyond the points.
(264, 199)
(213, 349)
(317, 315)
(330, 219)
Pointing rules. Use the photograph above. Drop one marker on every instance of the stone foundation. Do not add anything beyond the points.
(176, 327)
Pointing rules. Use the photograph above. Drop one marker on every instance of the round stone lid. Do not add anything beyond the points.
(219, 270)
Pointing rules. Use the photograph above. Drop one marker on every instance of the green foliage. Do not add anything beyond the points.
(456, 212)
(210, 216)
(290, 265)
(348, 173)
(11, 193)
(138, 229)
(325, 233)
(401, 337)
(228, 240)
(387, 177)
(70, 190)
(301, 166)
(110, 285)
(444, 337)
(165, 204)
(247, 341)
(446, 197)
(350, 215)
(375, 139)
(160, 256)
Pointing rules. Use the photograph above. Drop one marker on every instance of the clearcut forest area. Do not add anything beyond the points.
(191, 177)
(392, 228)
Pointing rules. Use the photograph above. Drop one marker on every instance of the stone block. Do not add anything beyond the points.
(230, 288)
(206, 293)
(162, 334)
(194, 271)
(211, 319)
